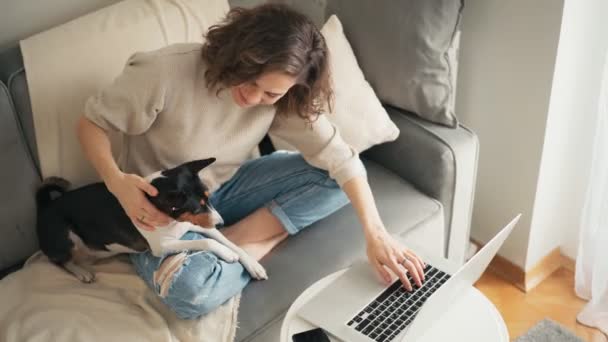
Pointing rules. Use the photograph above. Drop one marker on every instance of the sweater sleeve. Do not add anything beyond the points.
(131, 103)
(321, 145)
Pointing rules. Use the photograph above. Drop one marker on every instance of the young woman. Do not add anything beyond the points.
(261, 70)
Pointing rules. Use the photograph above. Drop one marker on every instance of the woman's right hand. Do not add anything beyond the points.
(130, 190)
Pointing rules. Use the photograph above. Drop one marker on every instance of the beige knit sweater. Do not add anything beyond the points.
(162, 105)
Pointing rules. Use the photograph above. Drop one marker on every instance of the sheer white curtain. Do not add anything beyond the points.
(592, 261)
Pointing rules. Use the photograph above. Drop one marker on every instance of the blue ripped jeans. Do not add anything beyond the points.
(297, 193)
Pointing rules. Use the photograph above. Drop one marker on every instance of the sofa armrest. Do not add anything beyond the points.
(442, 163)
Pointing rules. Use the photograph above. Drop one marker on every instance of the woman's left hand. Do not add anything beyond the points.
(384, 252)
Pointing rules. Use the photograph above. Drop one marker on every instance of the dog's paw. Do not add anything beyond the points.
(227, 255)
(219, 250)
(85, 276)
(232, 257)
(80, 272)
(255, 269)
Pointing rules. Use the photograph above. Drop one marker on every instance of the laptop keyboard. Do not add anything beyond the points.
(395, 308)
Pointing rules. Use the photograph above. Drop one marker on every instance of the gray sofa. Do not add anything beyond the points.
(423, 183)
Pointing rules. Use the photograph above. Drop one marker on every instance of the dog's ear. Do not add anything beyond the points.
(196, 166)
(193, 166)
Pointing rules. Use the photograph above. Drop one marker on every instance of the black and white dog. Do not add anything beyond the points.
(89, 223)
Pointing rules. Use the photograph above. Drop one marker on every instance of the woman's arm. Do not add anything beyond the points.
(96, 147)
(382, 249)
(128, 188)
(129, 105)
(322, 146)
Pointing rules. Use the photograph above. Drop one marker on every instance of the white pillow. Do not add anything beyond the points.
(69, 63)
(357, 112)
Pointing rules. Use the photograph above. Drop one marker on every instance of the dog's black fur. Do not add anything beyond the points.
(97, 218)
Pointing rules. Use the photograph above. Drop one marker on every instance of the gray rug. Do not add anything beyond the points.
(548, 331)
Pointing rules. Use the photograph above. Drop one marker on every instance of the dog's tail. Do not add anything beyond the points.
(44, 194)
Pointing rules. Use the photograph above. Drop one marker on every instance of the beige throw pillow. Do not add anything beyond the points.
(69, 63)
(357, 112)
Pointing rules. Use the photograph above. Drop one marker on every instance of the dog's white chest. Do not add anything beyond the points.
(171, 232)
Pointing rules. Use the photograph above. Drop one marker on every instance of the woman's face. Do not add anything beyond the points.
(265, 90)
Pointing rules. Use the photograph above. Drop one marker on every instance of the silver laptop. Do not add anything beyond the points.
(357, 307)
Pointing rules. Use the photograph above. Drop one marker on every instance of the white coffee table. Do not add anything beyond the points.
(473, 318)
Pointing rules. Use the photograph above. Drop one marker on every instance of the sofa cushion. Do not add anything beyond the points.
(403, 48)
(12, 74)
(17, 87)
(11, 61)
(18, 181)
(332, 244)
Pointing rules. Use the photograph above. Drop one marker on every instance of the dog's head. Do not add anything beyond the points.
(183, 196)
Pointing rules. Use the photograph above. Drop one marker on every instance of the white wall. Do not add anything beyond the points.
(529, 83)
(507, 57)
(567, 151)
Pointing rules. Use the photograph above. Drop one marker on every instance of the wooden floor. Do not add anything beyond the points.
(554, 298)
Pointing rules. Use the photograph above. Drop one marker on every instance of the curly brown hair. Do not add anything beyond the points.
(267, 38)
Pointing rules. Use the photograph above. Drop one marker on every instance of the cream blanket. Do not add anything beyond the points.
(43, 303)
(65, 65)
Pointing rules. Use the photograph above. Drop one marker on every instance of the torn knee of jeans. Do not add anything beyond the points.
(168, 270)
